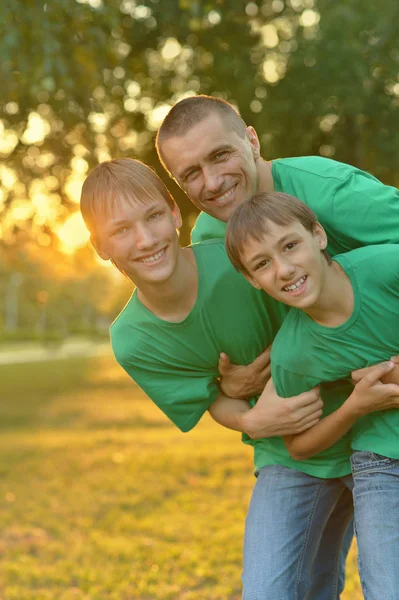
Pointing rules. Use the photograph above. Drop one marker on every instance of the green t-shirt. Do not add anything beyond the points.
(176, 363)
(305, 354)
(355, 208)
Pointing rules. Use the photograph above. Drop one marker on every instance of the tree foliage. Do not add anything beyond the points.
(94, 78)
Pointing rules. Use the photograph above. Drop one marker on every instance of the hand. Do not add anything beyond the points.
(240, 381)
(272, 415)
(370, 394)
(391, 375)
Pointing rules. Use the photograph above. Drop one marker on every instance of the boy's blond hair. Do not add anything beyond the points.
(250, 221)
(116, 180)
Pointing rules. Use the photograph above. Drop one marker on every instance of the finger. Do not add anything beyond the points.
(377, 372)
(306, 399)
(311, 409)
(358, 374)
(395, 359)
(308, 425)
(262, 359)
(224, 362)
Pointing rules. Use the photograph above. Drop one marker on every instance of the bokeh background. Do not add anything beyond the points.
(83, 81)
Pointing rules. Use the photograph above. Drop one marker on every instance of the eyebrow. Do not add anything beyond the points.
(209, 156)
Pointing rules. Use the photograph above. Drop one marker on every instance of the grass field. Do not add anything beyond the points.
(103, 499)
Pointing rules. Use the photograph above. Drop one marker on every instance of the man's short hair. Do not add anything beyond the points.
(189, 112)
(115, 180)
(249, 221)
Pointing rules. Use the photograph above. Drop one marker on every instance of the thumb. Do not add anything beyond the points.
(378, 372)
(224, 362)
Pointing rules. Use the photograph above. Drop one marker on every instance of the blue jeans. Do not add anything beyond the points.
(376, 498)
(298, 533)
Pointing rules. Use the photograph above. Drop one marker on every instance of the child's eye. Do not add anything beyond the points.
(291, 245)
(262, 264)
(155, 216)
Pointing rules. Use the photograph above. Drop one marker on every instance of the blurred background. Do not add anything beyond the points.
(101, 496)
(83, 81)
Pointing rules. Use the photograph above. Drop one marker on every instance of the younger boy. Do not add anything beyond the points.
(344, 316)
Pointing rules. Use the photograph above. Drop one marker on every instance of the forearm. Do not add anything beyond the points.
(229, 411)
(323, 435)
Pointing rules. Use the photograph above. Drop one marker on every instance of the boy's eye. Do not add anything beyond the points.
(290, 245)
(155, 215)
(120, 230)
(261, 264)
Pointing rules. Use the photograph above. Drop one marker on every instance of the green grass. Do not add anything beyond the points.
(103, 499)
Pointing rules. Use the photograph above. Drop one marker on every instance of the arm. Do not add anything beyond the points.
(244, 381)
(369, 395)
(271, 415)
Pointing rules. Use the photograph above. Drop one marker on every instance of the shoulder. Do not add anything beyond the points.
(127, 330)
(376, 260)
(318, 166)
(207, 228)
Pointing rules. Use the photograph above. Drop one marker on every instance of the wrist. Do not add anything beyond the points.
(353, 406)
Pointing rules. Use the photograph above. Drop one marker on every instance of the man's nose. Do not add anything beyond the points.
(213, 180)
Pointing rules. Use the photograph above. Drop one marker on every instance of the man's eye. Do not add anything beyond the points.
(221, 155)
(190, 176)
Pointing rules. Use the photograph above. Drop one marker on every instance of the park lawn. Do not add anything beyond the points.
(103, 499)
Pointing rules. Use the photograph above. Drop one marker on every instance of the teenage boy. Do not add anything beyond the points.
(344, 316)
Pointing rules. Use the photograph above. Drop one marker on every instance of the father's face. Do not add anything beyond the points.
(214, 165)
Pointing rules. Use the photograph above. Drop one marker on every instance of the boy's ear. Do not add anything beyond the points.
(321, 236)
(251, 280)
(177, 216)
(102, 253)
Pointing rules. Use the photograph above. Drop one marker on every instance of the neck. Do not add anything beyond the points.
(336, 301)
(172, 300)
(265, 177)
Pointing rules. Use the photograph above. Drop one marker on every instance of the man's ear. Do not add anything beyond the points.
(176, 216)
(320, 234)
(102, 253)
(254, 141)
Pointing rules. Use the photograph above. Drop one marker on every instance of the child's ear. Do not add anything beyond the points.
(251, 280)
(321, 236)
(102, 253)
(177, 216)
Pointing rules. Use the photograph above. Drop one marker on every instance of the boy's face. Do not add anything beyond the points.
(288, 263)
(214, 165)
(141, 239)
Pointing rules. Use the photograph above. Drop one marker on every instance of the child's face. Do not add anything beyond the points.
(288, 263)
(141, 239)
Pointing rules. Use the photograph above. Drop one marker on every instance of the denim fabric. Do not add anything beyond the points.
(376, 499)
(298, 533)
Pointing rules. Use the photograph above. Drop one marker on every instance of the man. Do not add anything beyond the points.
(215, 158)
(344, 316)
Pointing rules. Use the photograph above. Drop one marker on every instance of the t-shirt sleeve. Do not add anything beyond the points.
(288, 383)
(365, 212)
(182, 395)
(207, 228)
